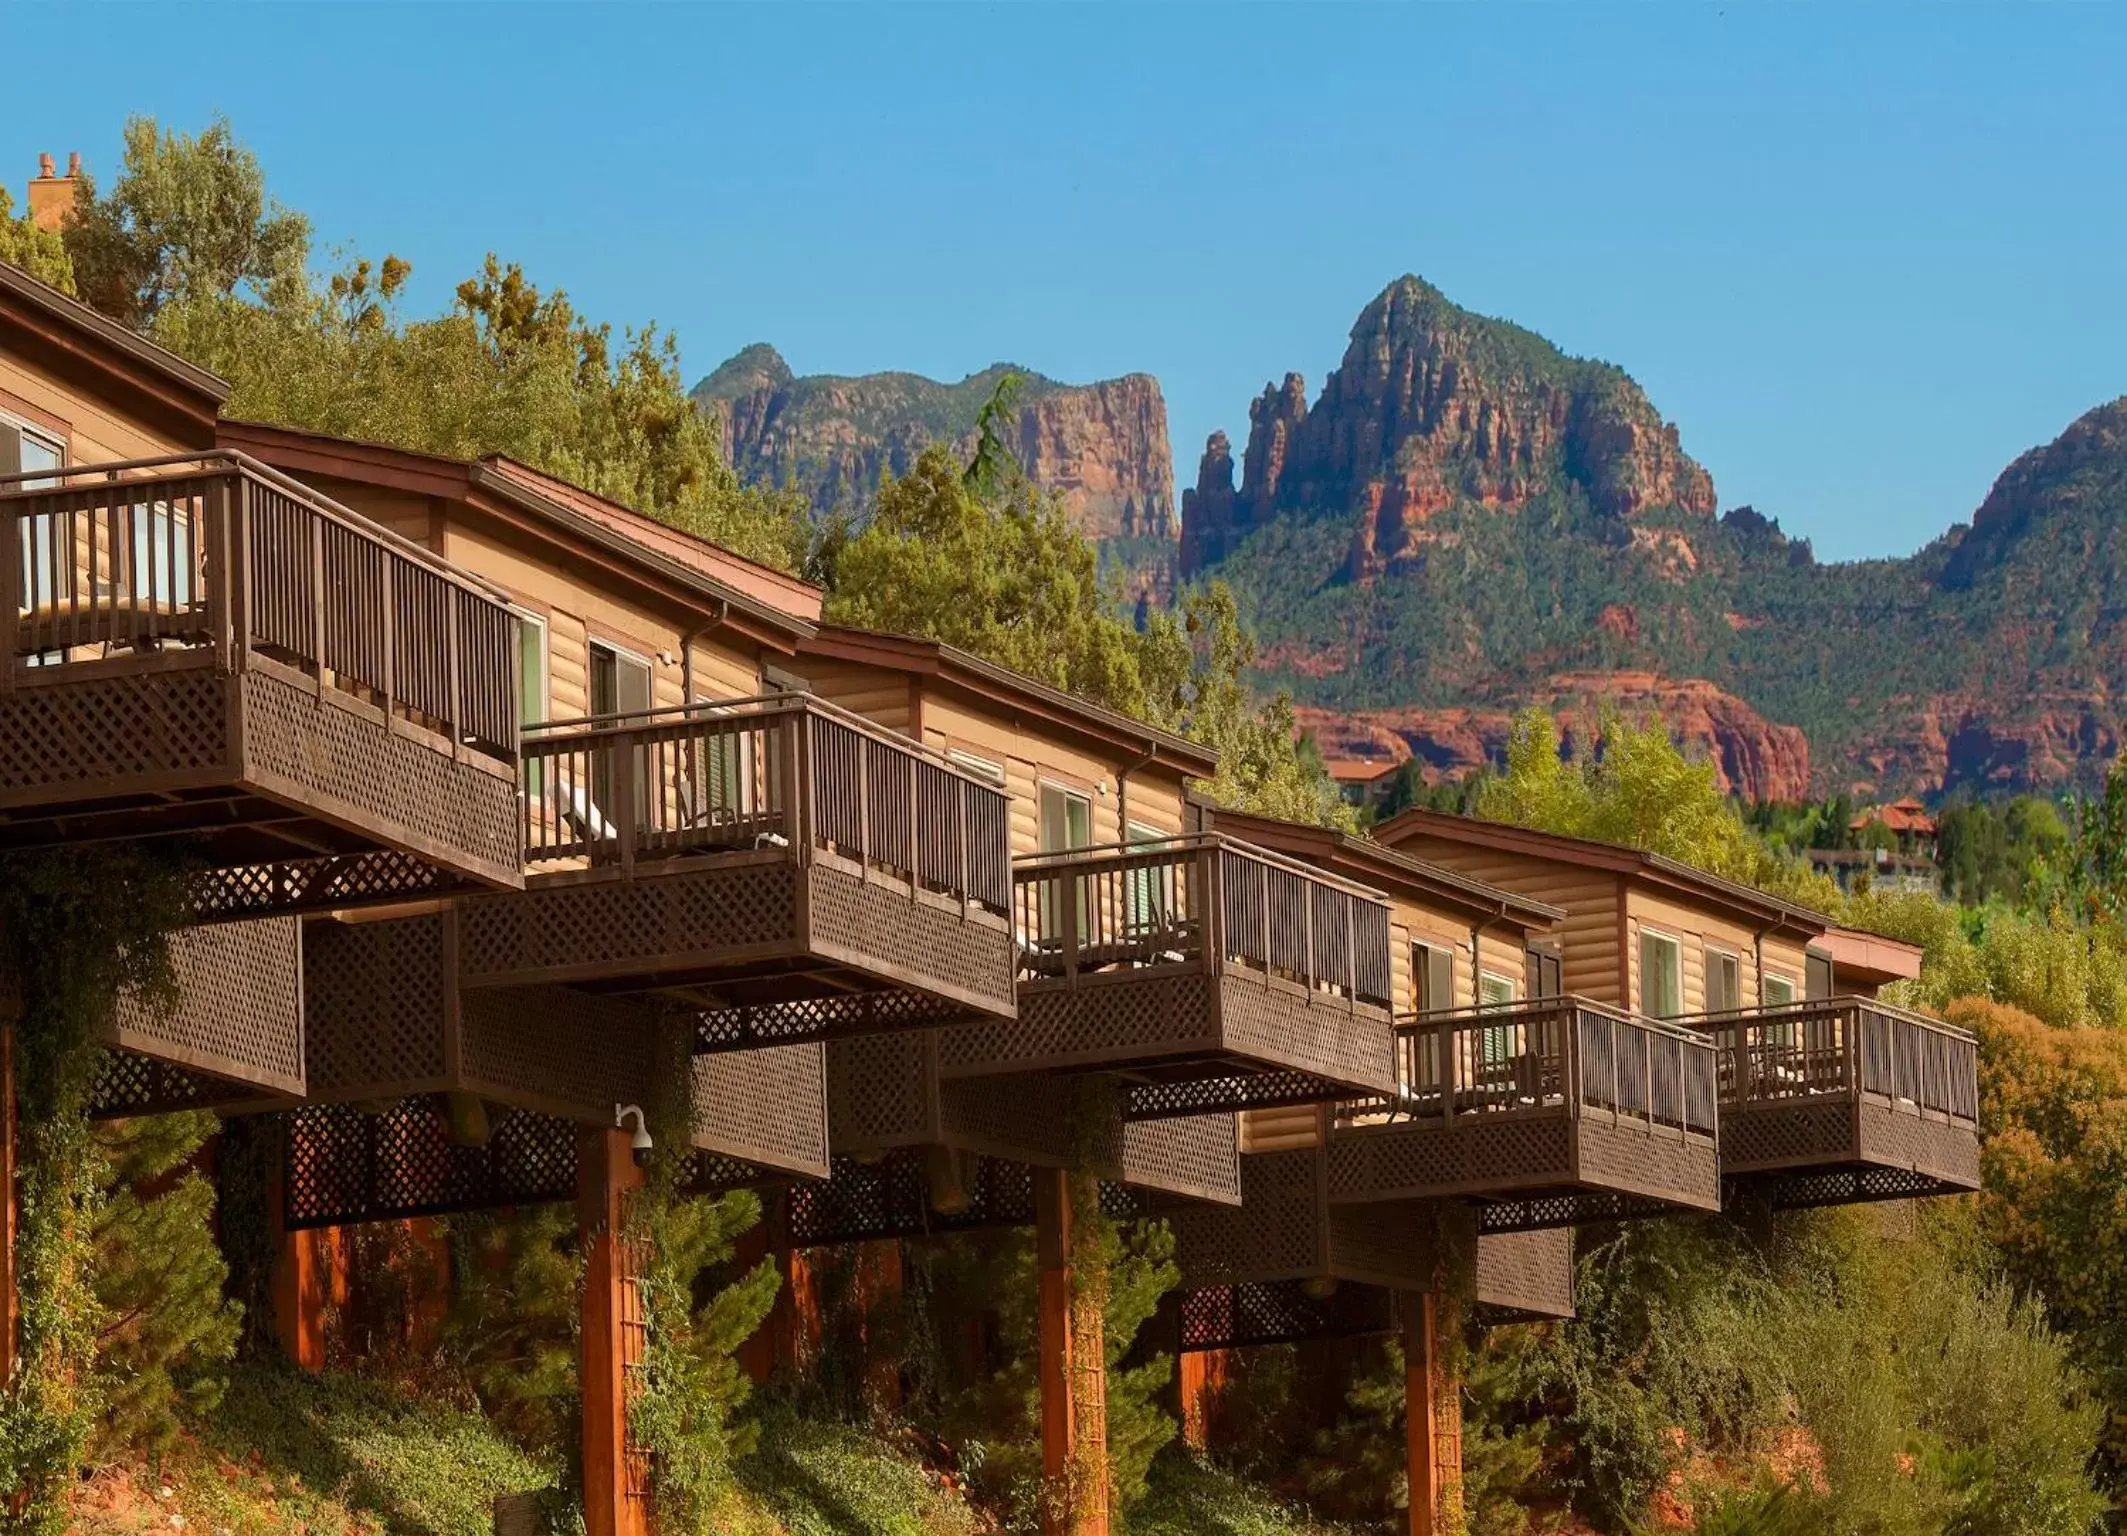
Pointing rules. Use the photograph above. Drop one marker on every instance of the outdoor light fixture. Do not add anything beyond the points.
(640, 1143)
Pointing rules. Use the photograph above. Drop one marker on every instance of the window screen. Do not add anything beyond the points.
(1661, 976)
(1724, 982)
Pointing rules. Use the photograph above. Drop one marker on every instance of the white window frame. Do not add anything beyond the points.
(1777, 978)
(976, 766)
(1676, 947)
(1496, 978)
(1708, 953)
(29, 432)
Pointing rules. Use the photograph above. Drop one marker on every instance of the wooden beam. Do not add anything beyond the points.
(1432, 1412)
(615, 1503)
(1073, 1376)
(10, 1308)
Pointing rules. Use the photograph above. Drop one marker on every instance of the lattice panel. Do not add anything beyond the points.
(913, 939)
(892, 1197)
(1105, 1022)
(881, 1093)
(1423, 1160)
(68, 741)
(559, 1051)
(1847, 1186)
(1283, 1312)
(1229, 1095)
(1278, 1232)
(139, 1085)
(835, 1017)
(765, 1107)
(343, 1165)
(659, 921)
(1687, 1172)
(239, 1010)
(1949, 1153)
(1195, 1156)
(1026, 1118)
(1274, 1026)
(317, 885)
(1756, 1137)
(394, 783)
(1565, 1208)
(1391, 1245)
(375, 1008)
(1526, 1274)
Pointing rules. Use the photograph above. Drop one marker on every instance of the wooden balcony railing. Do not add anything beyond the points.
(219, 554)
(1835, 1047)
(1557, 1054)
(1195, 903)
(781, 771)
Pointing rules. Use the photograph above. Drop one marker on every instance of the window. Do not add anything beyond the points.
(1149, 893)
(978, 767)
(1661, 975)
(1494, 990)
(23, 449)
(1777, 991)
(1066, 820)
(1817, 976)
(1433, 977)
(620, 680)
(1724, 981)
(531, 688)
(620, 685)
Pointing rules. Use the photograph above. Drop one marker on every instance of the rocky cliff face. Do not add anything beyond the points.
(1433, 406)
(1101, 447)
(1752, 757)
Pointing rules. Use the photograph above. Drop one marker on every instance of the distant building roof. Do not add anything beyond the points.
(1907, 815)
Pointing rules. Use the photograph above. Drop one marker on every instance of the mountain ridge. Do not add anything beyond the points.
(1464, 520)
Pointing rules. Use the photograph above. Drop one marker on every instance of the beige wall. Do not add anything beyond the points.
(1589, 933)
(576, 611)
(95, 433)
(1031, 757)
(1697, 931)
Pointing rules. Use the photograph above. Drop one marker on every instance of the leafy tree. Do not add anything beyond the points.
(1634, 786)
(40, 252)
(164, 1327)
(1013, 581)
(2001, 850)
(190, 218)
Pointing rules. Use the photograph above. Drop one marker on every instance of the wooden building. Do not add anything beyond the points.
(1828, 1094)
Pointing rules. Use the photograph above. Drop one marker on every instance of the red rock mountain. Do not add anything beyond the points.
(1101, 447)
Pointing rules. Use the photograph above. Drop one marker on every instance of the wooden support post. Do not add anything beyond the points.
(1432, 1411)
(309, 1273)
(878, 1288)
(613, 1502)
(10, 1307)
(1202, 1373)
(1073, 1376)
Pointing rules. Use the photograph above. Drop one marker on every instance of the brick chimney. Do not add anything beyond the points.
(52, 196)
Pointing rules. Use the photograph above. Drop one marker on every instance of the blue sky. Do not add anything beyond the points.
(1862, 255)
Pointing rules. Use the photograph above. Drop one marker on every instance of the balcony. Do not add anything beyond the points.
(203, 648)
(1520, 1277)
(787, 870)
(1548, 1113)
(232, 1033)
(1209, 975)
(1845, 1099)
(385, 1022)
(885, 1096)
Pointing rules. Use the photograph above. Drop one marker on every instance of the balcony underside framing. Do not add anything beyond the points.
(1187, 1042)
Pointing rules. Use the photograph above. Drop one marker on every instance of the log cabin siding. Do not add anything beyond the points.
(95, 432)
(882, 697)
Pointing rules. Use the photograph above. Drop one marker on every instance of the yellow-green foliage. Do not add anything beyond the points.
(40, 252)
(1010, 579)
(1634, 786)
